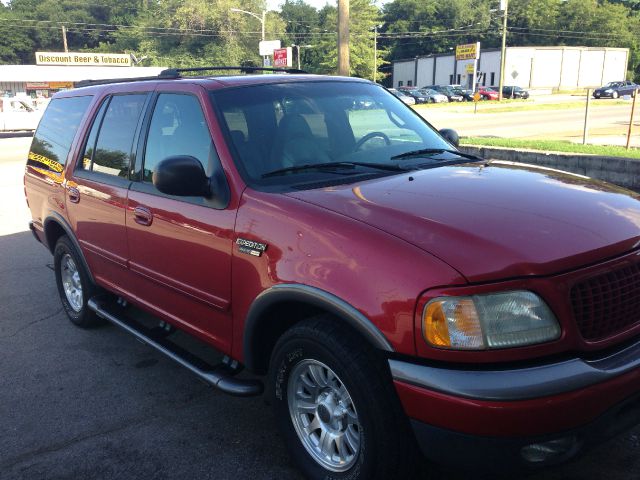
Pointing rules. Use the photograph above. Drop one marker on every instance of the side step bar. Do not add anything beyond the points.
(219, 376)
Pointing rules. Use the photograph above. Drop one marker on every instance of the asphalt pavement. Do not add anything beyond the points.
(96, 404)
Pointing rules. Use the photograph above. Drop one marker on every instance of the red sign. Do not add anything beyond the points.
(280, 57)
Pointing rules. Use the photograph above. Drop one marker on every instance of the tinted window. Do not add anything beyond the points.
(178, 127)
(85, 162)
(113, 148)
(52, 141)
(318, 122)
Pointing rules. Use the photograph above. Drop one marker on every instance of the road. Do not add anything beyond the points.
(607, 124)
(95, 404)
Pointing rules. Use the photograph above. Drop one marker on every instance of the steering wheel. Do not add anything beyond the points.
(369, 136)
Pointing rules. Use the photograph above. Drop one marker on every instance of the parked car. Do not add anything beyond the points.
(385, 289)
(513, 91)
(433, 96)
(488, 93)
(465, 93)
(449, 92)
(405, 97)
(417, 95)
(616, 89)
(17, 114)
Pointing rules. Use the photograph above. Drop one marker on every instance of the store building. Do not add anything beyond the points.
(45, 80)
(535, 68)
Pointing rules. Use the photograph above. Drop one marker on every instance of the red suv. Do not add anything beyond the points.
(386, 289)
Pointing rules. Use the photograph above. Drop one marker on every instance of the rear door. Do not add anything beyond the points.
(180, 247)
(97, 190)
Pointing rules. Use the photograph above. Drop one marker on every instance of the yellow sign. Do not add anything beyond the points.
(469, 68)
(476, 97)
(89, 59)
(58, 85)
(469, 51)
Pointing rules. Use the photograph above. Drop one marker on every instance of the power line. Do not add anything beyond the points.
(567, 31)
(563, 36)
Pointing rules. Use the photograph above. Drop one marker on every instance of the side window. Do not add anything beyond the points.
(87, 155)
(113, 148)
(177, 127)
(54, 136)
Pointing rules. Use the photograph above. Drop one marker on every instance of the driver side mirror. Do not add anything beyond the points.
(182, 175)
(451, 136)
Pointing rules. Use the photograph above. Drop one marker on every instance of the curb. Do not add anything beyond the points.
(621, 171)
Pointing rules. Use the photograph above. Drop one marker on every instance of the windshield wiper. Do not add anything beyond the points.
(434, 151)
(330, 165)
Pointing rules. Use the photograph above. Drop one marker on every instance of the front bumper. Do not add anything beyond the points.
(516, 407)
(501, 454)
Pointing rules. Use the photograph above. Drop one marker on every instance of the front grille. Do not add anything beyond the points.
(608, 303)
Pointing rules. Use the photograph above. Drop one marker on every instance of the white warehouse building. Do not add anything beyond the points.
(536, 68)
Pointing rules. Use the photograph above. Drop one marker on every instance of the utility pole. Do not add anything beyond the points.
(343, 37)
(64, 39)
(503, 55)
(264, 16)
(375, 52)
(262, 22)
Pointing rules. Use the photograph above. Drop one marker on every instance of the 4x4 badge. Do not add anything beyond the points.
(250, 247)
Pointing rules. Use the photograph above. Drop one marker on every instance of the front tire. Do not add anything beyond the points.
(614, 95)
(74, 285)
(335, 405)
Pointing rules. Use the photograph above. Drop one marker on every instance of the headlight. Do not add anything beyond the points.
(498, 320)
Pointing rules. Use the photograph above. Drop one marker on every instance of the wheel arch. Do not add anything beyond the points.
(54, 227)
(265, 322)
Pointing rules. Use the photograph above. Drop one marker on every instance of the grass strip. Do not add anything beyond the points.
(552, 146)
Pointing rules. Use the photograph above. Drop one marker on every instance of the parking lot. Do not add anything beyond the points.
(78, 404)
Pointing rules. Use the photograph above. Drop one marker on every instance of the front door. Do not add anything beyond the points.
(180, 247)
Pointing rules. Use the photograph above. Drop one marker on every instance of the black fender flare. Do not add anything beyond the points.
(58, 219)
(287, 292)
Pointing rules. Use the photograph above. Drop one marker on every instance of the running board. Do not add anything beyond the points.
(219, 376)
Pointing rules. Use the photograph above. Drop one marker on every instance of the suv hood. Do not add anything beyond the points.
(495, 221)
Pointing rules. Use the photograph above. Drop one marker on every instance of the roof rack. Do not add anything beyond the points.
(106, 81)
(178, 71)
(174, 73)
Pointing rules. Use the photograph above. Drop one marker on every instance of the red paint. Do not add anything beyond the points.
(538, 416)
(384, 246)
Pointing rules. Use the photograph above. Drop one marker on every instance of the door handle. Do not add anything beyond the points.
(74, 194)
(142, 216)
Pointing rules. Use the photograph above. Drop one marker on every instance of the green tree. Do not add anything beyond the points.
(16, 45)
(363, 16)
(303, 29)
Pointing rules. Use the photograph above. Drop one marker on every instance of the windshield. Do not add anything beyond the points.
(612, 84)
(279, 126)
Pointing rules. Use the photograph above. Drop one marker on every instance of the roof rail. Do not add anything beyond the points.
(164, 75)
(177, 71)
(173, 73)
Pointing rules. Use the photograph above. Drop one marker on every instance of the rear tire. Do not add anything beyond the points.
(336, 407)
(74, 285)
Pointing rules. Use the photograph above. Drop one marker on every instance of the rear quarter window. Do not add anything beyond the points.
(56, 131)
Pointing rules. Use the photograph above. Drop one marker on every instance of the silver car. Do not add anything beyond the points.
(408, 99)
(434, 97)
